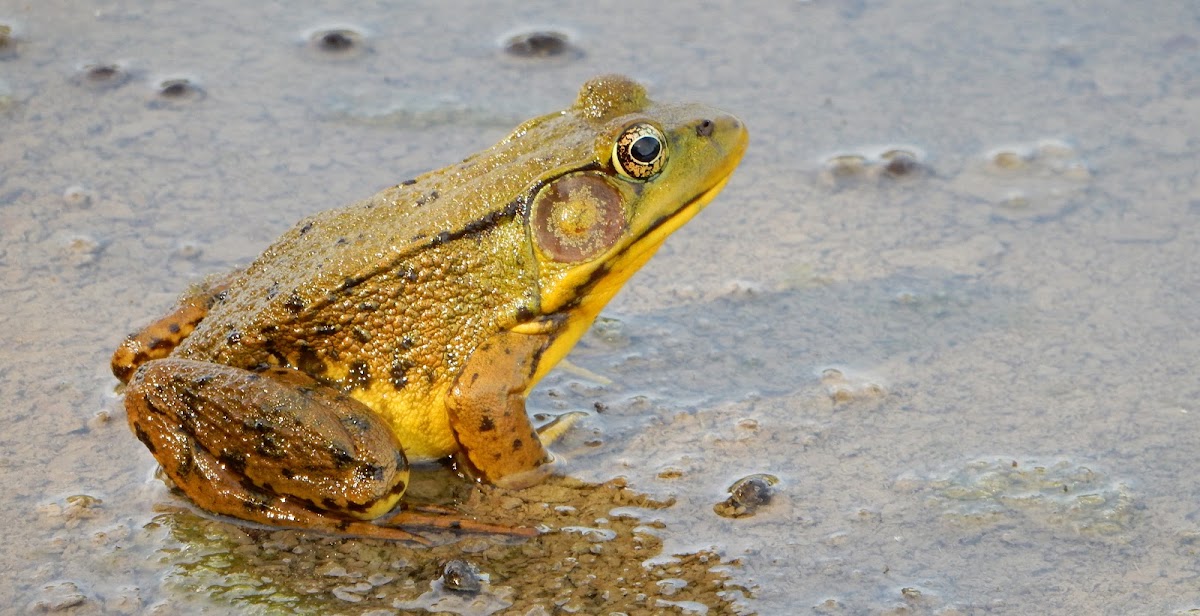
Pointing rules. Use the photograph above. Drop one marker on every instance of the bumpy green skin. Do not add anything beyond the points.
(432, 307)
(388, 297)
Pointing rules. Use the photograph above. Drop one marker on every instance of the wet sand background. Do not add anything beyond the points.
(948, 300)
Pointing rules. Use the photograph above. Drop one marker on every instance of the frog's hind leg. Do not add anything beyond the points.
(158, 339)
(270, 448)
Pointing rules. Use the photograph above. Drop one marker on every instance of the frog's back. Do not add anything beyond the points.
(399, 233)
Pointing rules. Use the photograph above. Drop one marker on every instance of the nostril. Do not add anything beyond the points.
(705, 128)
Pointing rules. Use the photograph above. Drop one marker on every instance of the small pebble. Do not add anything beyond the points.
(747, 495)
(461, 576)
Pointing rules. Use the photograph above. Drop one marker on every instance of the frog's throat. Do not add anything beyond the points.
(605, 283)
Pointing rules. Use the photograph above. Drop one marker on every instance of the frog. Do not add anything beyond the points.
(411, 326)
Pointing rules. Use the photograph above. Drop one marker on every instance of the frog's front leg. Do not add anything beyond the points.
(157, 340)
(486, 408)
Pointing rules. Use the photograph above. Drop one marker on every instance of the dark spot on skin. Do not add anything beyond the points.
(407, 273)
(427, 198)
(327, 329)
(308, 362)
(287, 473)
(407, 342)
(341, 241)
(330, 504)
(305, 228)
(342, 459)
(351, 281)
(269, 329)
(294, 303)
(187, 464)
(123, 372)
(496, 456)
(173, 328)
(158, 343)
(360, 334)
(143, 437)
(705, 128)
(370, 472)
(408, 182)
(217, 298)
(368, 306)
(234, 461)
(398, 488)
(399, 373)
(517, 444)
(202, 381)
(258, 425)
(524, 314)
(487, 425)
(343, 525)
(360, 375)
(356, 423)
(233, 337)
(256, 502)
(269, 446)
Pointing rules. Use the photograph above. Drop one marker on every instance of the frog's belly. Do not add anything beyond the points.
(418, 420)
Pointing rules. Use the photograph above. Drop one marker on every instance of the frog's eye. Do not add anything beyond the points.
(640, 151)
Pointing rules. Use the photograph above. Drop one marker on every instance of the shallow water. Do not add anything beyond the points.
(948, 301)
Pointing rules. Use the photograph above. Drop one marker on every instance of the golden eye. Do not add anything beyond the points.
(640, 151)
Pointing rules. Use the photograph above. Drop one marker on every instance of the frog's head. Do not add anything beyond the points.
(653, 166)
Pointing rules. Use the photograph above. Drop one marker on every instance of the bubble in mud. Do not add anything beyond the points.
(900, 163)
(873, 165)
(1033, 181)
(1061, 493)
(8, 42)
(102, 75)
(540, 44)
(78, 197)
(340, 42)
(176, 91)
(845, 386)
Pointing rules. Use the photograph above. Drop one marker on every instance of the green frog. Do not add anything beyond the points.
(413, 324)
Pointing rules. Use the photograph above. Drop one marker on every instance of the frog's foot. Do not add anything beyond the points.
(552, 431)
(157, 340)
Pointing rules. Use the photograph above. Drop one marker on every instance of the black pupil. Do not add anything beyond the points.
(645, 149)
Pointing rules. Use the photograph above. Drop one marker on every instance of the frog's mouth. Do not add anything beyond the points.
(637, 253)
